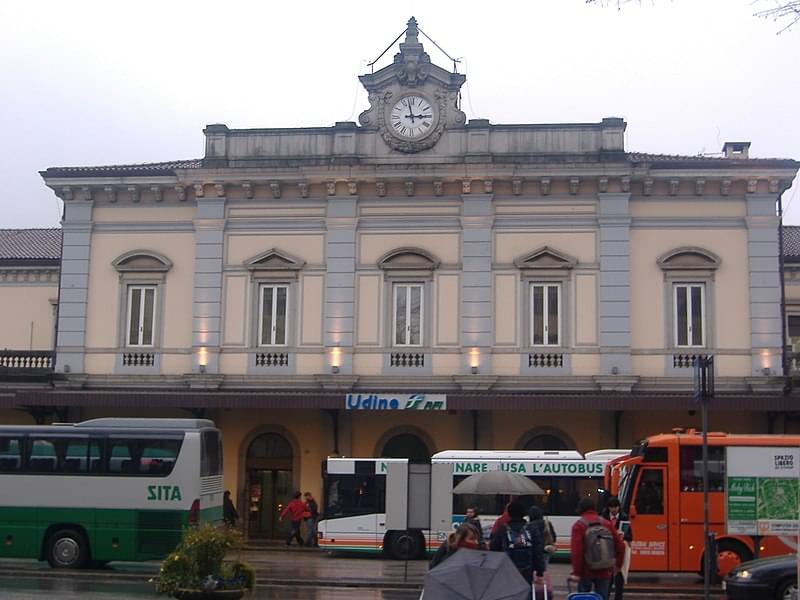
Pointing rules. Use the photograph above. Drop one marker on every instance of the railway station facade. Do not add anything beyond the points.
(410, 283)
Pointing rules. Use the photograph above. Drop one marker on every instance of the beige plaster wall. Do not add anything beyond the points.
(367, 364)
(696, 208)
(27, 320)
(581, 245)
(505, 364)
(235, 309)
(444, 246)
(106, 295)
(140, 213)
(312, 290)
(585, 364)
(446, 364)
(585, 306)
(731, 309)
(308, 246)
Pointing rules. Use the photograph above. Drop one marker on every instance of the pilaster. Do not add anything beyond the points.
(477, 214)
(764, 283)
(209, 235)
(615, 283)
(340, 254)
(74, 284)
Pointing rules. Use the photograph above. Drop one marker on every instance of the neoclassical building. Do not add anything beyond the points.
(416, 282)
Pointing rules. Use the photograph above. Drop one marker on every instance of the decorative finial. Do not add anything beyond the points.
(412, 31)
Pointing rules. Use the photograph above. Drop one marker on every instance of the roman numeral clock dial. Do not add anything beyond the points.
(412, 117)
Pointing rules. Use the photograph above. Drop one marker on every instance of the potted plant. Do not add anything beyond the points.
(197, 569)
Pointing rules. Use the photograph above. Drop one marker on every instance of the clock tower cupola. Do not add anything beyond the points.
(412, 101)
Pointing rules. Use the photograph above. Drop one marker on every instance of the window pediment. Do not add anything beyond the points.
(408, 259)
(545, 258)
(142, 261)
(689, 258)
(274, 260)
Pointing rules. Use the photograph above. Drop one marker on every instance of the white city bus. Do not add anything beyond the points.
(355, 512)
(106, 489)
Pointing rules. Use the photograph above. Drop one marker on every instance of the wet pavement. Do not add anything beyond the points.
(291, 574)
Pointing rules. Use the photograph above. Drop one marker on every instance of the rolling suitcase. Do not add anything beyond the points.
(581, 595)
(542, 592)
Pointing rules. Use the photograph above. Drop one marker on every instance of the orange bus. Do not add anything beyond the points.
(660, 487)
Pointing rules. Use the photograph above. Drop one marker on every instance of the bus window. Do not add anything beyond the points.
(211, 454)
(566, 492)
(42, 457)
(692, 468)
(650, 493)
(349, 495)
(144, 456)
(10, 454)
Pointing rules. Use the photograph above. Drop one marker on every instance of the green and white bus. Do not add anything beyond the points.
(107, 489)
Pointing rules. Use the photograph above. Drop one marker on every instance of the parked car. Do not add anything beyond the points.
(772, 578)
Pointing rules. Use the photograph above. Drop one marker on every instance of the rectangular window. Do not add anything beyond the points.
(10, 454)
(407, 314)
(62, 455)
(273, 317)
(141, 315)
(689, 315)
(545, 314)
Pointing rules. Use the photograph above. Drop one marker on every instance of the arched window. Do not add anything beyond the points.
(270, 445)
(406, 445)
(545, 441)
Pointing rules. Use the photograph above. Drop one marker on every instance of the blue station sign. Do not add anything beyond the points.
(383, 401)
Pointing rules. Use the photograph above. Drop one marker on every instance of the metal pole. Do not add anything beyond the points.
(707, 545)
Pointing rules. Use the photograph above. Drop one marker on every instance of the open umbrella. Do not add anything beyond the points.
(498, 482)
(476, 575)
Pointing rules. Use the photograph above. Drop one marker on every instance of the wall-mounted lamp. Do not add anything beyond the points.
(766, 371)
(765, 356)
(202, 359)
(336, 359)
(474, 360)
(615, 370)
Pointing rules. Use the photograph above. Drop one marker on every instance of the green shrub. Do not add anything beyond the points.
(198, 562)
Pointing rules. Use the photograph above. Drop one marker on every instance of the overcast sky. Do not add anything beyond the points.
(109, 82)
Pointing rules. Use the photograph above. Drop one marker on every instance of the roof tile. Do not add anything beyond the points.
(30, 244)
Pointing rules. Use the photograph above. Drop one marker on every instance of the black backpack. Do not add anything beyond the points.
(519, 548)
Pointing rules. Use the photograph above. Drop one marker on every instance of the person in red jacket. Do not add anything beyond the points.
(296, 510)
(588, 578)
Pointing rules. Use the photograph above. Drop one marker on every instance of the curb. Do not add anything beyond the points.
(315, 583)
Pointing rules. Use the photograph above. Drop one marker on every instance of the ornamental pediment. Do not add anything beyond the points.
(408, 259)
(545, 258)
(142, 261)
(274, 260)
(689, 258)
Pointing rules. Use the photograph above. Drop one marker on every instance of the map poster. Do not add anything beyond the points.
(763, 491)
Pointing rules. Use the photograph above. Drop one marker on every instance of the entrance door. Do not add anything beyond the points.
(649, 520)
(270, 491)
(269, 485)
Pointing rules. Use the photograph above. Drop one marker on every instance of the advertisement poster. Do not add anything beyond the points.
(763, 491)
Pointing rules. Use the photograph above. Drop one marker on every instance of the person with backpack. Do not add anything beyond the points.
(619, 520)
(597, 551)
(537, 520)
(521, 543)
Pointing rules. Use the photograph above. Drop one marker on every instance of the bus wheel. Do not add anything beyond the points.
(730, 554)
(787, 590)
(405, 545)
(67, 549)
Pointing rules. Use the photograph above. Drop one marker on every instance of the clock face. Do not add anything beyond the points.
(412, 117)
